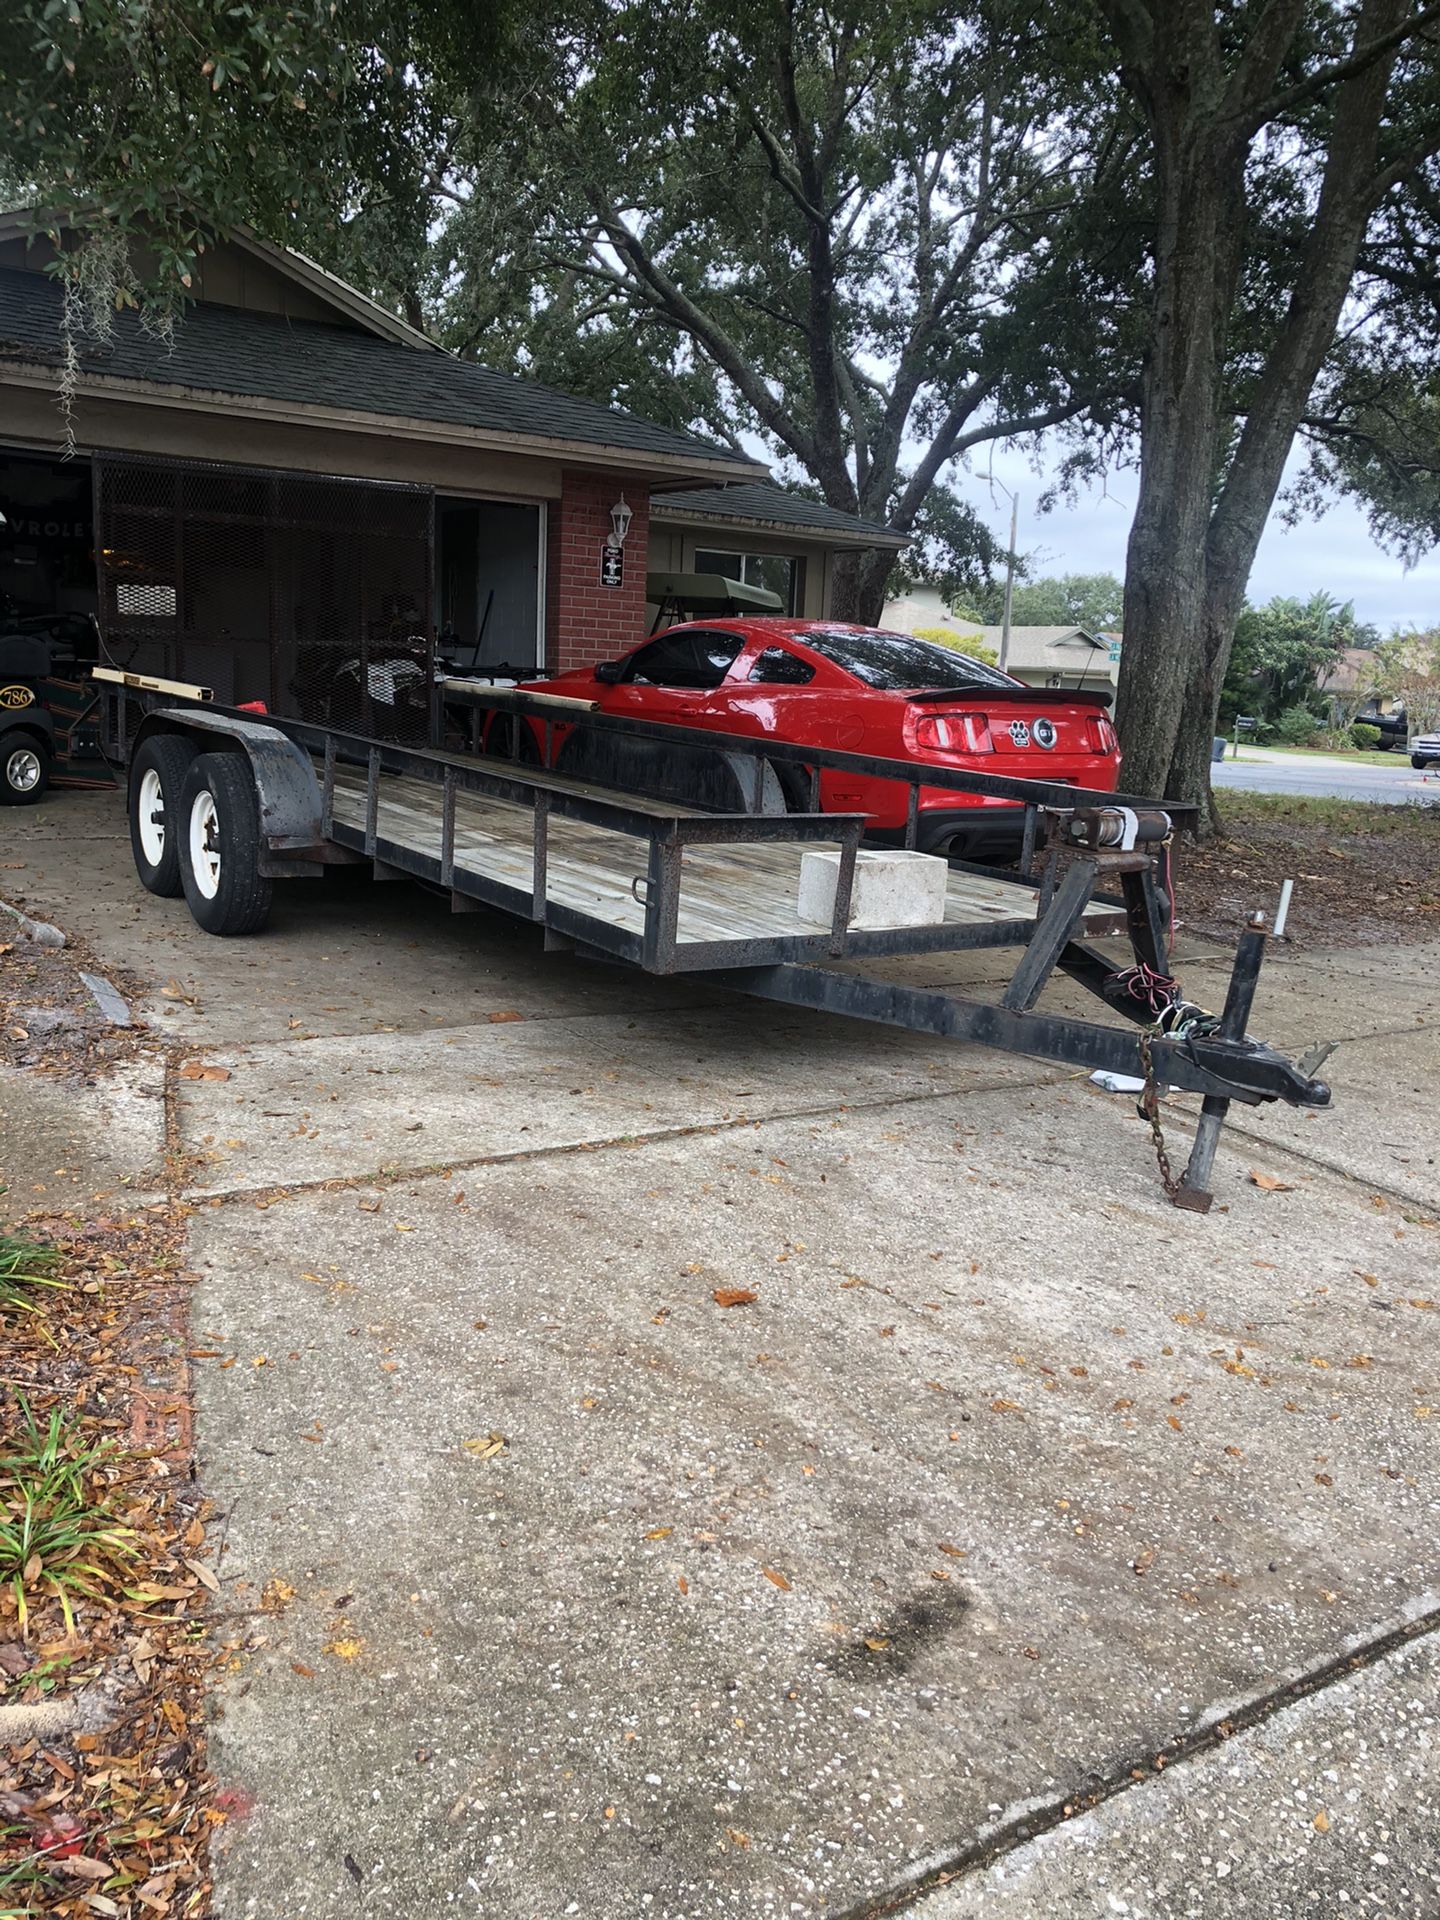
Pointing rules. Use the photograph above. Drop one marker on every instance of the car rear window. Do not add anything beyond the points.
(895, 662)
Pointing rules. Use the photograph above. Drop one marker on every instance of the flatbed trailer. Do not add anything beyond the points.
(224, 802)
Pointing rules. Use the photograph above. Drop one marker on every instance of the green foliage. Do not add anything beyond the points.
(175, 123)
(25, 1265)
(971, 645)
(1364, 739)
(1407, 666)
(1283, 651)
(1296, 727)
(58, 1530)
(951, 549)
(1089, 600)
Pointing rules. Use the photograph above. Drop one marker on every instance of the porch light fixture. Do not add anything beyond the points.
(620, 518)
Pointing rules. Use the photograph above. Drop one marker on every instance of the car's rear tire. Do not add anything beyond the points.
(24, 767)
(157, 774)
(219, 835)
(510, 737)
(1420, 761)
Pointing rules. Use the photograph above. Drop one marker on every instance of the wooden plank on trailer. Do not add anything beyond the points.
(735, 891)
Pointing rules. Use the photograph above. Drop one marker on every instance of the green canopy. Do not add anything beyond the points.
(701, 593)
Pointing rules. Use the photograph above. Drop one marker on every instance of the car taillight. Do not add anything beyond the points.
(1100, 736)
(949, 732)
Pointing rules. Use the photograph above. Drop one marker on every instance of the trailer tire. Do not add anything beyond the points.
(24, 767)
(157, 774)
(220, 846)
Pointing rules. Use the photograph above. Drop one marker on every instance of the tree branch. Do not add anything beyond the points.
(1334, 72)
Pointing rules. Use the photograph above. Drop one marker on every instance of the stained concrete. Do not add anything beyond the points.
(1169, 1478)
(66, 1146)
(1084, 1470)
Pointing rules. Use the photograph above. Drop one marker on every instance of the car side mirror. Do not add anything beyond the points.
(609, 671)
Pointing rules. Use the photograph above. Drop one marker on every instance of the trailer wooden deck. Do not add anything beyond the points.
(727, 893)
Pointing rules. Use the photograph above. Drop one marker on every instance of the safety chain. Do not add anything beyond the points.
(1150, 1108)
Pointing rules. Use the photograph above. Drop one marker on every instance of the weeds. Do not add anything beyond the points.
(57, 1532)
(20, 1877)
(25, 1265)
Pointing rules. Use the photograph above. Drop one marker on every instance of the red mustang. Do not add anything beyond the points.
(818, 683)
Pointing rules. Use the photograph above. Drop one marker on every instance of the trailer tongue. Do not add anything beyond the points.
(224, 803)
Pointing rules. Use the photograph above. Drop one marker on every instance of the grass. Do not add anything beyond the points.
(1237, 807)
(1348, 756)
(21, 1877)
(24, 1266)
(57, 1533)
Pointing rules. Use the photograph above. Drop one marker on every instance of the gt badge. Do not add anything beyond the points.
(15, 696)
(1020, 732)
(1044, 733)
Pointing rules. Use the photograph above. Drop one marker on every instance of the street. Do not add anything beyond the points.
(1259, 771)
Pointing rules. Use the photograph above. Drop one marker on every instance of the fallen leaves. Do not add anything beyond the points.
(1269, 1182)
(776, 1579)
(202, 1070)
(734, 1296)
(1321, 1822)
(276, 1595)
(203, 1574)
(345, 1647)
(485, 1446)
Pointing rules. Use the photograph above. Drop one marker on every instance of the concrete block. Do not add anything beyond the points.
(892, 889)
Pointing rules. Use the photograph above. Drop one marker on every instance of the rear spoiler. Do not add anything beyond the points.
(1028, 696)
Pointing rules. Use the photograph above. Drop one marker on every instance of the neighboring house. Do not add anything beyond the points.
(300, 483)
(1353, 673)
(1066, 657)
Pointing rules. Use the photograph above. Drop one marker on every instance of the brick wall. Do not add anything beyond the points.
(584, 621)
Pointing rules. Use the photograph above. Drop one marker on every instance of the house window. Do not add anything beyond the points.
(781, 573)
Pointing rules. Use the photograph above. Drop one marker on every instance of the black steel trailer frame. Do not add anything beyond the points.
(1079, 841)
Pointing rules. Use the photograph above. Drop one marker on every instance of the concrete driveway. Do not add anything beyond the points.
(552, 1585)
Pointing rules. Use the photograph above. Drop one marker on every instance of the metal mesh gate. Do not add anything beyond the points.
(310, 593)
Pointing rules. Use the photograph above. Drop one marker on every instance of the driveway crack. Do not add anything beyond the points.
(1018, 1829)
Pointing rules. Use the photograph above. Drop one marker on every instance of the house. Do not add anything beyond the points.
(1067, 657)
(297, 484)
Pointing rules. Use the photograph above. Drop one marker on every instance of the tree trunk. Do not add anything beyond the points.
(858, 586)
(1165, 559)
(1191, 552)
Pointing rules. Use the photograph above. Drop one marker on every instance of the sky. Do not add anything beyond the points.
(1334, 553)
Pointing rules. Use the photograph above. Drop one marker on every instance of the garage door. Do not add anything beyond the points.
(309, 593)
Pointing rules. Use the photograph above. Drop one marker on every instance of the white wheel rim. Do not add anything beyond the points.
(204, 853)
(150, 814)
(22, 770)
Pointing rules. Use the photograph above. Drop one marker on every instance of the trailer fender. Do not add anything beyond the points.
(293, 840)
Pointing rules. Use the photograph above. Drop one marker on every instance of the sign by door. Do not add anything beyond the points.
(612, 565)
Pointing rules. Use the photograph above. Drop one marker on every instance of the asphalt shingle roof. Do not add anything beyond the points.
(228, 350)
(772, 504)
